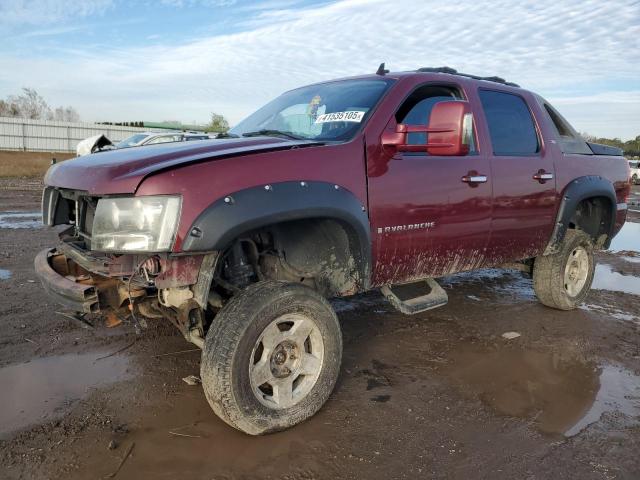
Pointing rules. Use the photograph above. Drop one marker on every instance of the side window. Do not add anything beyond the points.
(562, 127)
(510, 124)
(417, 108)
(570, 141)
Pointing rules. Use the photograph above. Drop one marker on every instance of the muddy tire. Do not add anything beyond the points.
(272, 357)
(563, 280)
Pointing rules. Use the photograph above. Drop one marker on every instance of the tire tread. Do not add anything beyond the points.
(225, 333)
(548, 273)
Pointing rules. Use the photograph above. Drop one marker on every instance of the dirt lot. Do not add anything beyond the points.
(436, 395)
(28, 164)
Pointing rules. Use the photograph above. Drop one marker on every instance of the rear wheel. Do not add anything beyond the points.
(563, 280)
(272, 357)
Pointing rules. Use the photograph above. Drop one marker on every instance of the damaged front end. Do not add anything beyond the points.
(152, 285)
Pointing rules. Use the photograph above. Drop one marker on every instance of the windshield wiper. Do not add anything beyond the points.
(273, 133)
(227, 135)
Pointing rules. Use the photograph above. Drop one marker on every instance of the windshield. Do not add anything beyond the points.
(132, 141)
(329, 111)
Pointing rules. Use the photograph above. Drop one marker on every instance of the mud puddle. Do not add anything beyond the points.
(13, 220)
(41, 389)
(510, 285)
(628, 239)
(611, 311)
(5, 274)
(371, 301)
(173, 437)
(558, 393)
(619, 392)
(606, 279)
(631, 259)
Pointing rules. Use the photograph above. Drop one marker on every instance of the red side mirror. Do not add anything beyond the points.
(451, 125)
(450, 131)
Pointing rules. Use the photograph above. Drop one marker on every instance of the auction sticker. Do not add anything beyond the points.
(350, 116)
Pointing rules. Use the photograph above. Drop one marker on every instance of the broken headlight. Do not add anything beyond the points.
(136, 224)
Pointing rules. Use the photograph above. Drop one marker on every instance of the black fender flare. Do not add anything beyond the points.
(235, 214)
(575, 192)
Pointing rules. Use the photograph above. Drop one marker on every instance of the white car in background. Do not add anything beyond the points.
(635, 171)
(99, 143)
(152, 138)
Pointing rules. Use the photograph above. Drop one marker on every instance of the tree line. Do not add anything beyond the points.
(123, 124)
(217, 124)
(30, 105)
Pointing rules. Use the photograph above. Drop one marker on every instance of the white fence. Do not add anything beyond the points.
(20, 134)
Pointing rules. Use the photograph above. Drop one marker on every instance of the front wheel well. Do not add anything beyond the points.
(323, 253)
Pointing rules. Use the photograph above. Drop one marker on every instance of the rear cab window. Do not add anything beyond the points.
(510, 122)
(569, 140)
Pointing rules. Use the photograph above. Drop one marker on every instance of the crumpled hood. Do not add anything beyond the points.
(121, 171)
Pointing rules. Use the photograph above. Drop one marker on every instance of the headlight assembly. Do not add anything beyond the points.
(135, 224)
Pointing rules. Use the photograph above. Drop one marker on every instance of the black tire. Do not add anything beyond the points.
(549, 273)
(230, 346)
(635, 180)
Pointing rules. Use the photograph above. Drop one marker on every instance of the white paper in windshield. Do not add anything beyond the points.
(350, 116)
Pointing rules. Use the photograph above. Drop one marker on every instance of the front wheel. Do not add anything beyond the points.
(272, 357)
(635, 180)
(563, 280)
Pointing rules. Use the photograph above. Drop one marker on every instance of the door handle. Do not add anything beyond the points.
(542, 176)
(474, 179)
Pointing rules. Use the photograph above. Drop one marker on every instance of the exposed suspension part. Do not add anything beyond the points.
(240, 268)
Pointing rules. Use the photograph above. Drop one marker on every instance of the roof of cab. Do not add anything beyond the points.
(435, 73)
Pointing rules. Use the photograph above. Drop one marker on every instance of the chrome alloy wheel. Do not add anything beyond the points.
(576, 271)
(286, 361)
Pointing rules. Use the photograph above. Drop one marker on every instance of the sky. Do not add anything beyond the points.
(127, 60)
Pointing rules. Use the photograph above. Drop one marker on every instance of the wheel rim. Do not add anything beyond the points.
(576, 271)
(286, 361)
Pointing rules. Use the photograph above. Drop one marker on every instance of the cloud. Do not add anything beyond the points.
(609, 98)
(269, 5)
(197, 3)
(49, 32)
(46, 12)
(559, 49)
(603, 114)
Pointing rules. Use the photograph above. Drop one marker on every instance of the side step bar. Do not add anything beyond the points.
(410, 298)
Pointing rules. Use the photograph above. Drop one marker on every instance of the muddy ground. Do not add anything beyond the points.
(436, 395)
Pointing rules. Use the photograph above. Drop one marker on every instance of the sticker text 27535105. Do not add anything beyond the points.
(350, 116)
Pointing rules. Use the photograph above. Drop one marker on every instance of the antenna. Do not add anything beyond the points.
(381, 70)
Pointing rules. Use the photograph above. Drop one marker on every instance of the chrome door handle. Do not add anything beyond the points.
(474, 179)
(542, 176)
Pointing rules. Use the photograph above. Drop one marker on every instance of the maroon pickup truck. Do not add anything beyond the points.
(381, 181)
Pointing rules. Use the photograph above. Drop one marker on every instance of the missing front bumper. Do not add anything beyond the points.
(69, 293)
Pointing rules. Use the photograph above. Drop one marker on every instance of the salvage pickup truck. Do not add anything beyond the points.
(388, 180)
